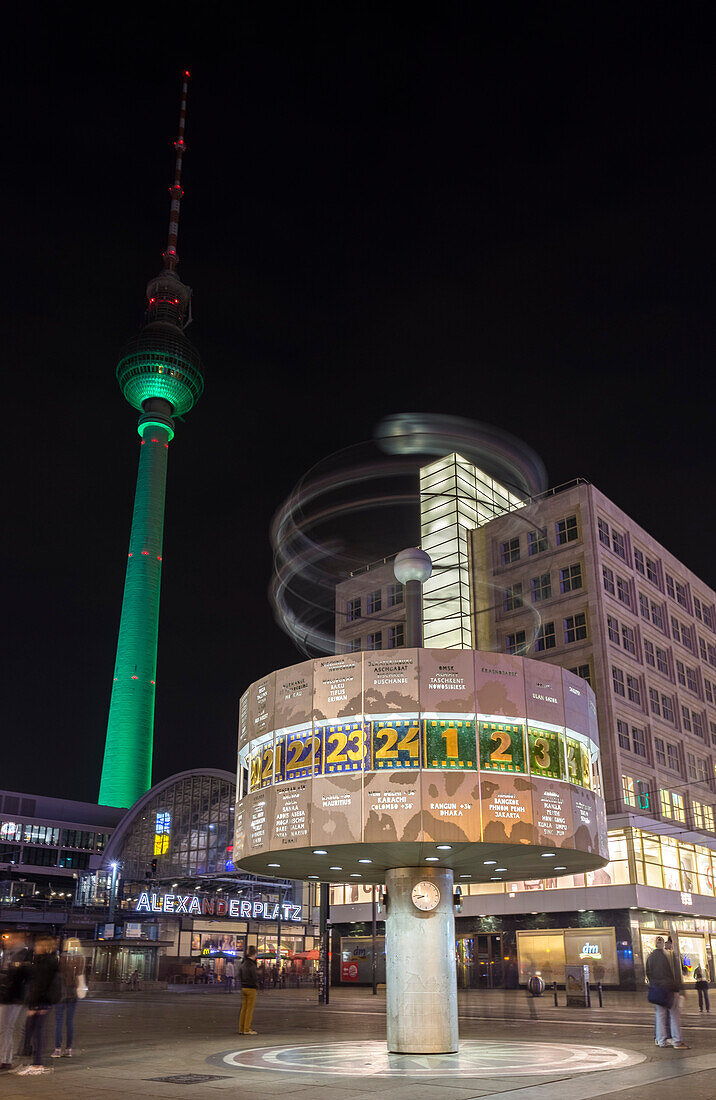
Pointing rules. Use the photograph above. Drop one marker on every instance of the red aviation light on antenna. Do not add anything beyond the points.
(187, 73)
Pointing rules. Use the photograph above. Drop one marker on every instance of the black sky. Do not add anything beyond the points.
(506, 215)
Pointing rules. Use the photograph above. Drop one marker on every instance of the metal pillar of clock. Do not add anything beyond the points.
(420, 970)
(412, 568)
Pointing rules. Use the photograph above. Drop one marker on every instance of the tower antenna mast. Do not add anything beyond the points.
(170, 256)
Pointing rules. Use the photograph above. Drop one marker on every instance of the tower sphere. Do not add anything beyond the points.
(412, 565)
(161, 362)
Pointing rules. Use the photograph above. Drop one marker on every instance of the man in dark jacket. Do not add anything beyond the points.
(249, 974)
(13, 979)
(43, 989)
(663, 973)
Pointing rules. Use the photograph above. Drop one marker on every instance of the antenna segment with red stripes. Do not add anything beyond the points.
(170, 256)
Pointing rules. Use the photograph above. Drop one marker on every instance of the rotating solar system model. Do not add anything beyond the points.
(421, 770)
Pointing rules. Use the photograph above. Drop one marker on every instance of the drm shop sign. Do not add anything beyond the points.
(193, 905)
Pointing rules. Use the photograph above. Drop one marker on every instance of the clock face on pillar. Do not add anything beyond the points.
(426, 896)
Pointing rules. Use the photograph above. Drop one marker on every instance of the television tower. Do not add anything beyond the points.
(159, 374)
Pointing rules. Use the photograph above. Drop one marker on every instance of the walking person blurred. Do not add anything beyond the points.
(13, 979)
(72, 974)
(663, 973)
(249, 974)
(43, 989)
(229, 974)
(702, 987)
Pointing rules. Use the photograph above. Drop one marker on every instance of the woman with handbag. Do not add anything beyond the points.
(665, 984)
(74, 987)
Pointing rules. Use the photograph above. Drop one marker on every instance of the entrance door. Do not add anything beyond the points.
(479, 961)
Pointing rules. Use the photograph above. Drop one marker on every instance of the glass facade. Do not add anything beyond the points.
(185, 830)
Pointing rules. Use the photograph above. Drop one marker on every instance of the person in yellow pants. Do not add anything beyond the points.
(249, 974)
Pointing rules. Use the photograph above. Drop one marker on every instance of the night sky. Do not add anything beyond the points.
(508, 217)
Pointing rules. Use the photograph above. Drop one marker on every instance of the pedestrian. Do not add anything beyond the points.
(249, 989)
(74, 986)
(702, 987)
(274, 975)
(229, 974)
(13, 979)
(134, 980)
(665, 985)
(43, 989)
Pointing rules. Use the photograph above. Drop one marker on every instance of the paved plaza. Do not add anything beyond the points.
(512, 1046)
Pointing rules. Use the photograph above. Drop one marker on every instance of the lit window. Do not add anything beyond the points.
(567, 530)
(665, 802)
(628, 790)
(679, 808)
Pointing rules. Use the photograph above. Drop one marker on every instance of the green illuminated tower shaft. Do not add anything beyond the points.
(160, 375)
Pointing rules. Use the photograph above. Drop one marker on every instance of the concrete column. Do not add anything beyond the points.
(421, 978)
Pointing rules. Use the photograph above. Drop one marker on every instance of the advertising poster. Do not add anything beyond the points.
(292, 816)
(343, 746)
(266, 751)
(447, 682)
(357, 959)
(449, 743)
(546, 750)
(507, 810)
(299, 754)
(584, 812)
(576, 712)
(499, 685)
(451, 807)
(394, 743)
(390, 682)
(260, 706)
(391, 807)
(337, 811)
(552, 810)
(293, 696)
(544, 693)
(338, 686)
(502, 746)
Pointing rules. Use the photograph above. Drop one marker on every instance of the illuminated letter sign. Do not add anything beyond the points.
(590, 951)
(191, 904)
(142, 905)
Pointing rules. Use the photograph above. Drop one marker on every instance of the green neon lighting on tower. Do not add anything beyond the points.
(160, 374)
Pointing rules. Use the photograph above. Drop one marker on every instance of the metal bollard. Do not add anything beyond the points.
(599, 991)
(554, 990)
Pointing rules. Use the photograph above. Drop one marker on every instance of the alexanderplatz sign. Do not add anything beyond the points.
(199, 906)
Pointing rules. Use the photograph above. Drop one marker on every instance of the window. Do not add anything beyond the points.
(623, 734)
(681, 673)
(639, 562)
(708, 616)
(644, 606)
(515, 643)
(697, 608)
(374, 602)
(545, 638)
(657, 615)
(686, 718)
(712, 654)
(536, 541)
(703, 653)
(654, 705)
(603, 528)
(541, 587)
(642, 793)
(628, 790)
(709, 818)
(662, 661)
(672, 757)
(633, 689)
(667, 707)
(665, 801)
(660, 750)
(628, 638)
(682, 595)
(623, 593)
(567, 530)
(353, 609)
(396, 636)
(649, 655)
(375, 641)
(395, 594)
(652, 571)
(510, 551)
(608, 580)
(697, 720)
(355, 645)
(575, 627)
(712, 727)
(638, 741)
(670, 585)
(677, 801)
(691, 681)
(708, 690)
(681, 632)
(691, 765)
(618, 681)
(703, 770)
(619, 544)
(570, 578)
(584, 671)
(697, 812)
(512, 597)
